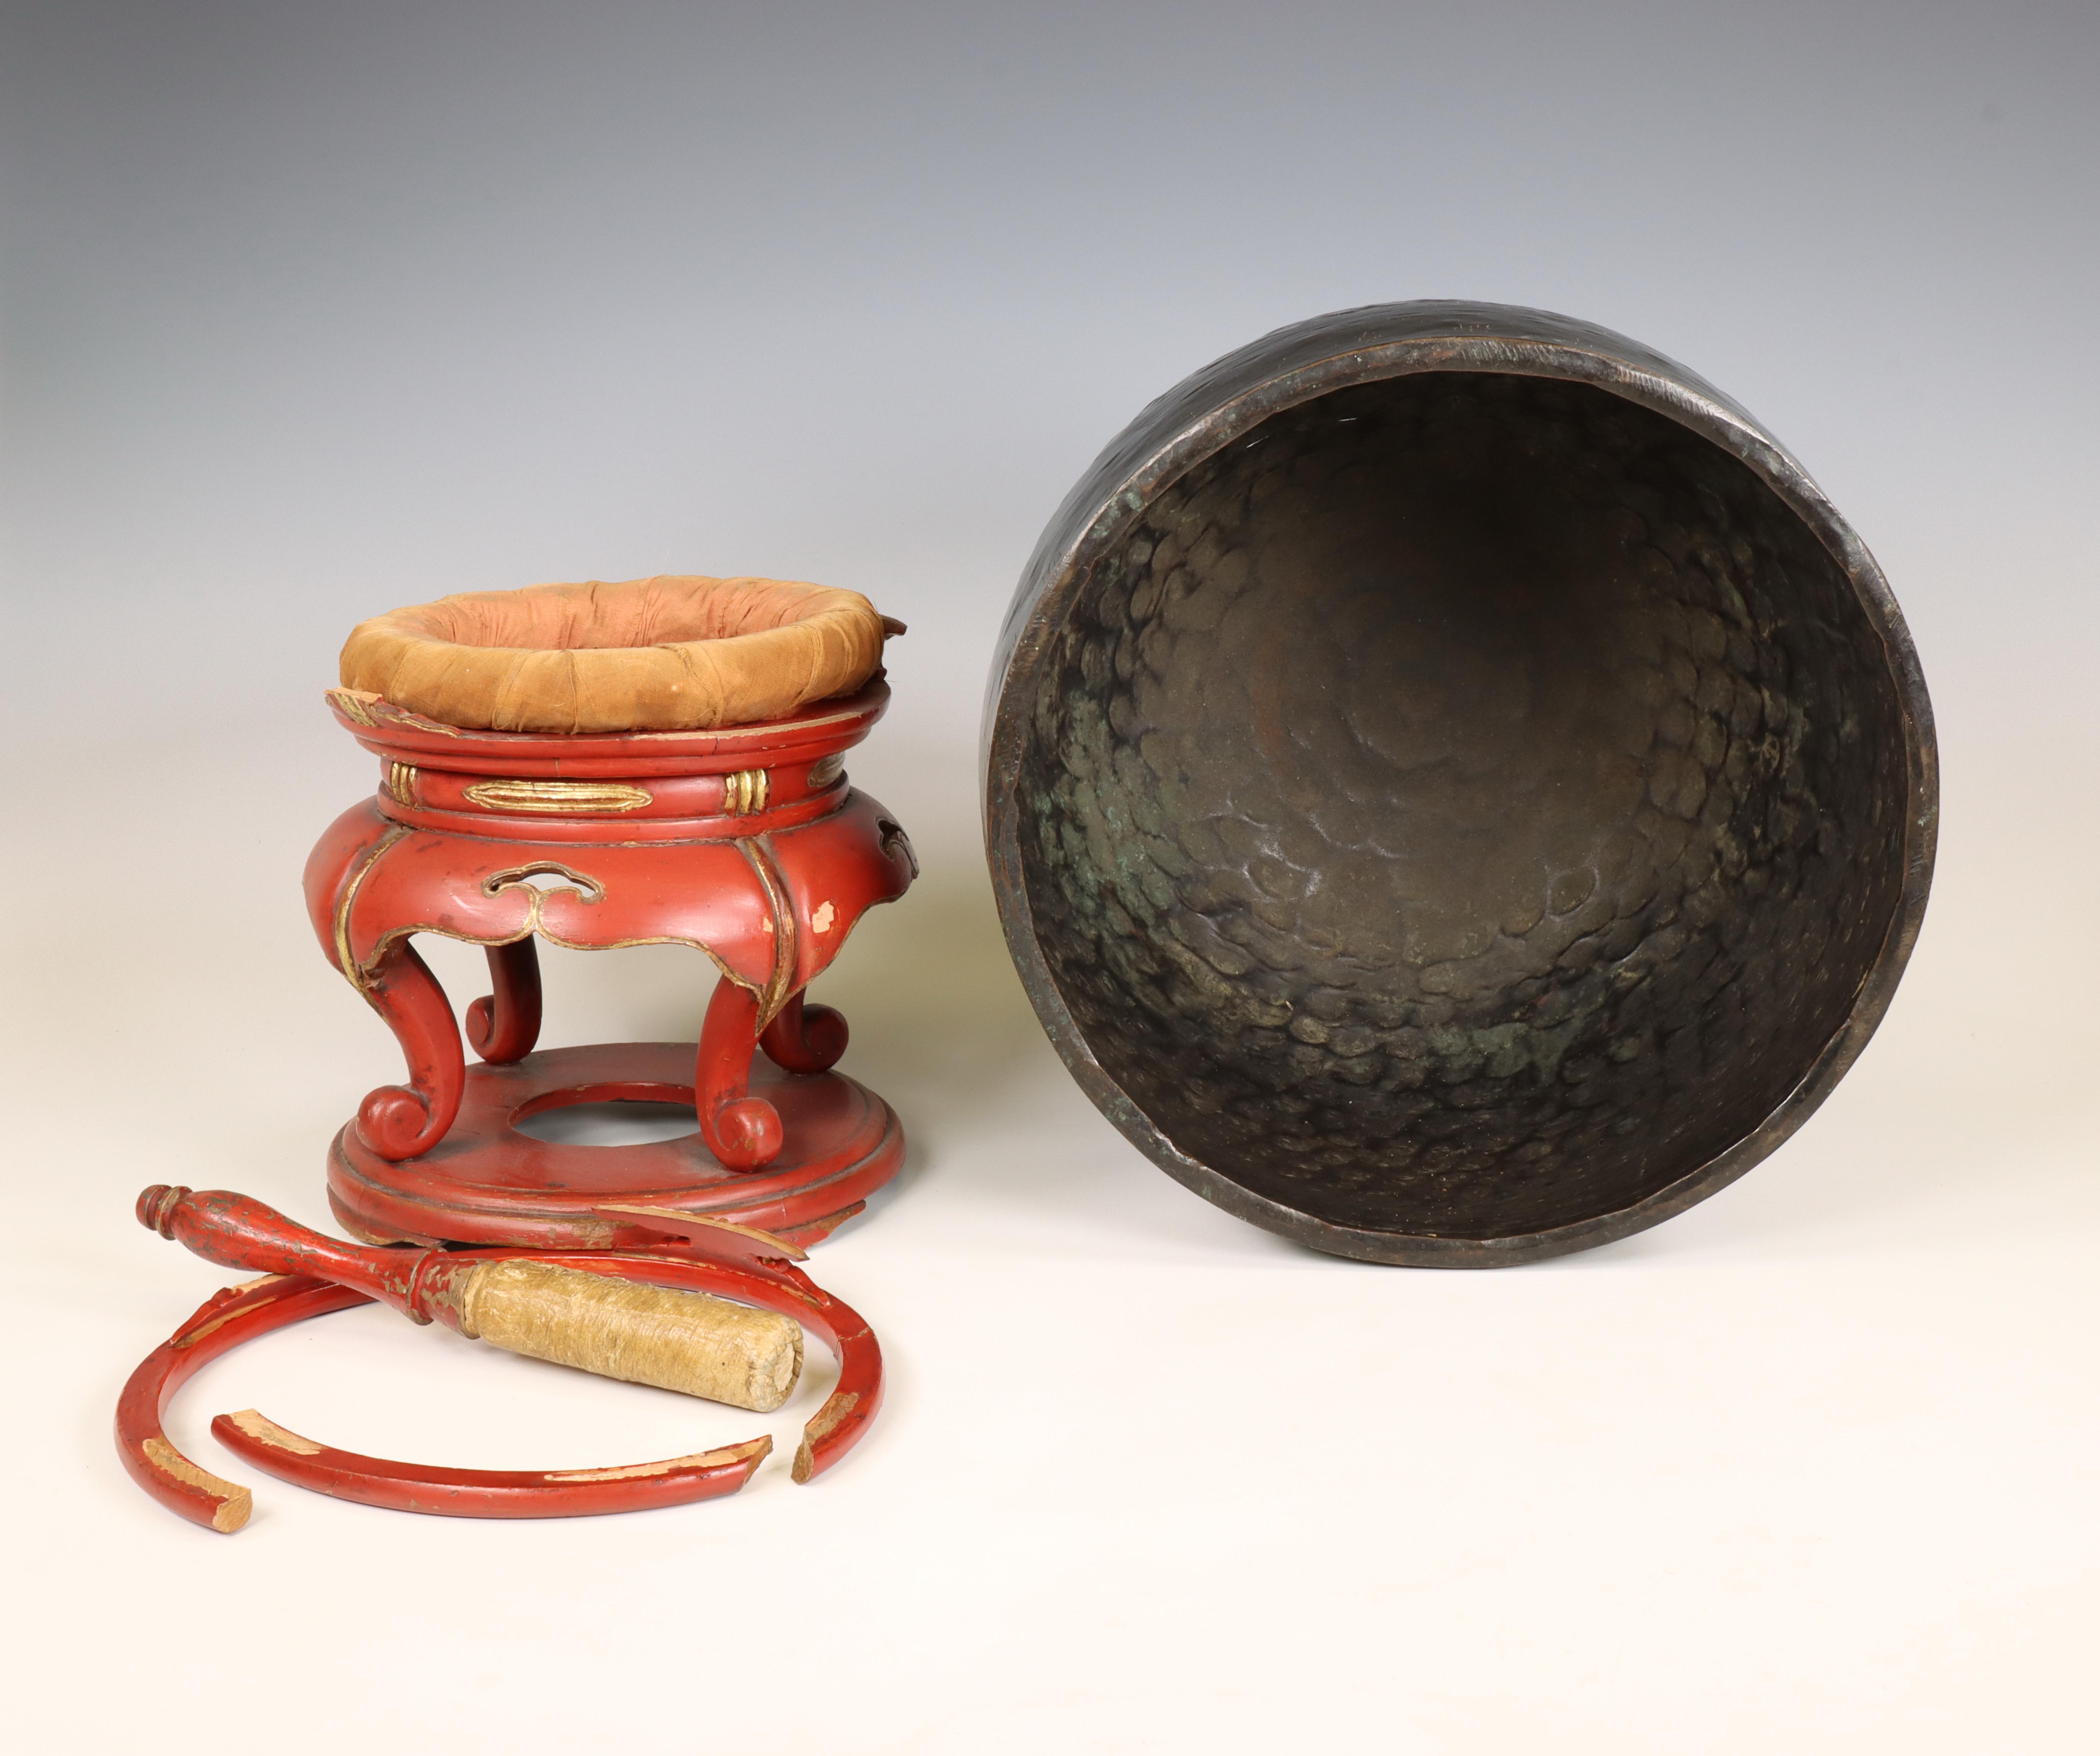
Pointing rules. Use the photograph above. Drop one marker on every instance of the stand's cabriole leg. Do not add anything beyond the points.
(805, 1038)
(397, 1122)
(503, 1026)
(744, 1132)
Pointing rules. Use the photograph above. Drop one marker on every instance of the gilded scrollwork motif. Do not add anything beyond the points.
(344, 960)
(781, 987)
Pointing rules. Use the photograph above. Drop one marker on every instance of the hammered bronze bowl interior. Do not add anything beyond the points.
(1457, 791)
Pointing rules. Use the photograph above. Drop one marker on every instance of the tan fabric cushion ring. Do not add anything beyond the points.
(675, 653)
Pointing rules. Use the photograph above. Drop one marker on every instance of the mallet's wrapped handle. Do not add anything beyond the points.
(692, 1342)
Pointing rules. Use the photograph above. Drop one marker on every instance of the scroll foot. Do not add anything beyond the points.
(744, 1132)
(502, 1027)
(805, 1038)
(398, 1121)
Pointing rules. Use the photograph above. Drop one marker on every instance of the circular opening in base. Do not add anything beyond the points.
(624, 1122)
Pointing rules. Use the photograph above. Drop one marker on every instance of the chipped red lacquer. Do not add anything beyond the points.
(712, 1258)
(745, 842)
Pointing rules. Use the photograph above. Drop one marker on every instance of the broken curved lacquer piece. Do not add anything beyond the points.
(488, 1493)
(232, 1315)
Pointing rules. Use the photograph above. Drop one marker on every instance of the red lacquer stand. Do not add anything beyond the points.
(745, 843)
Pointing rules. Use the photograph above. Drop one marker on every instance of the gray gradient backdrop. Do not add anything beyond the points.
(308, 311)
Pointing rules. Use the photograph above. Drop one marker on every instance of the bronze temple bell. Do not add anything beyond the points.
(1457, 791)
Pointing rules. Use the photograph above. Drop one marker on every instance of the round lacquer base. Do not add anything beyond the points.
(487, 1183)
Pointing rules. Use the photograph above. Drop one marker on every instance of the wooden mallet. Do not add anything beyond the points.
(686, 1341)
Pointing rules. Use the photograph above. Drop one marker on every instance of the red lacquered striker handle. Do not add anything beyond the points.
(240, 1232)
